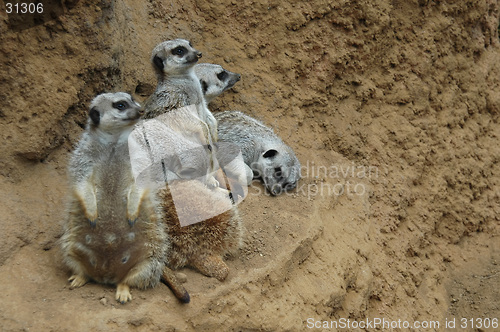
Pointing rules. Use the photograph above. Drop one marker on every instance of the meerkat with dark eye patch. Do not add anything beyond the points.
(201, 245)
(113, 233)
(173, 62)
(214, 79)
(177, 91)
(270, 159)
(266, 156)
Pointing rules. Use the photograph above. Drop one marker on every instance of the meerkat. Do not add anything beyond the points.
(173, 62)
(177, 92)
(266, 156)
(202, 224)
(214, 79)
(113, 233)
(201, 245)
(270, 159)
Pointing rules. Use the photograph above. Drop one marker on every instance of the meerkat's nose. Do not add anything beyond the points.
(199, 55)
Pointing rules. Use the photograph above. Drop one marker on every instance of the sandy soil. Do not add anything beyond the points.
(392, 108)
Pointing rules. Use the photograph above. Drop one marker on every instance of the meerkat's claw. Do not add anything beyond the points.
(131, 222)
(92, 222)
(123, 293)
(77, 281)
(134, 200)
(91, 217)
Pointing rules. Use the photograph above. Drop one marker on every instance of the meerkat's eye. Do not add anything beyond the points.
(120, 105)
(222, 75)
(180, 50)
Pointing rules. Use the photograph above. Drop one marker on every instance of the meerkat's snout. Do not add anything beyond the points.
(140, 109)
(193, 58)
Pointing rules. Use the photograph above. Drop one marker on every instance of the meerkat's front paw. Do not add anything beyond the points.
(133, 208)
(86, 194)
(134, 200)
(77, 281)
(91, 214)
(123, 293)
(131, 221)
(132, 213)
(92, 221)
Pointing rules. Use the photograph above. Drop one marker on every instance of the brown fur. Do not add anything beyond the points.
(201, 245)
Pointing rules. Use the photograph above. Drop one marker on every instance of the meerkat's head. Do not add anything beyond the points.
(112, 113)
(214, 79)
(279, 168)
(174, 58)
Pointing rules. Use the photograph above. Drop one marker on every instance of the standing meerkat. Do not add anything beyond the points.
(179, 91)
(113, 234)
(173, 62)
(201, 245)
(266, 156)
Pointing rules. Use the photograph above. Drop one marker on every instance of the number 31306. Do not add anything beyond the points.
(24, 8)
(479, 323)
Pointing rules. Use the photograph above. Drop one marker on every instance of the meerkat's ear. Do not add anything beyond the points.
(270, 153)
(95, 116)
(204, 87)
(158, 62)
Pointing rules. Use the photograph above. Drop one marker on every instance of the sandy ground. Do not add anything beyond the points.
(391, 106)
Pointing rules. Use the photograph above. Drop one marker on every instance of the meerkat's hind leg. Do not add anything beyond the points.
(85, 192)
(123, 293)
(77, 280)
(175, 285)
(134, 200)
(211, 266)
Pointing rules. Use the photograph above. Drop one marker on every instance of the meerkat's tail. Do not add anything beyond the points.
(169, 278)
